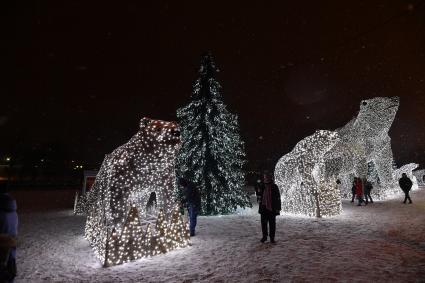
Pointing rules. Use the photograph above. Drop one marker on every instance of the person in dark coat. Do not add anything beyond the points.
(405, 184)
(367, 189)
(353, 189)
(192, 200)
(269, 206)
(359, 191)
(8, 228)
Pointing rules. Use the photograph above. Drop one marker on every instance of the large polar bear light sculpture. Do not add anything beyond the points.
(131, 209)
(363, 149)
(300, 177)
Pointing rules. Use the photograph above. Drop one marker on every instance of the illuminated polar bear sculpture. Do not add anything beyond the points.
(120, 225)
(420, 176)
(363, 149)
(300, 177)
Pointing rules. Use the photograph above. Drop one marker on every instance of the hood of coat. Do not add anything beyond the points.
(7, 203)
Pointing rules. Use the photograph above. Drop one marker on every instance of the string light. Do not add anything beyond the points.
(120, 227)
(300, 177)
(212, 154)
(420, 176)
(362, 148)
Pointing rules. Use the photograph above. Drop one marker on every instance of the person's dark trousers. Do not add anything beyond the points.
(407, 197)
(8, 273)
(360, 199)
(269, 218)
(352, 199)
(193, 213)
(367, 200)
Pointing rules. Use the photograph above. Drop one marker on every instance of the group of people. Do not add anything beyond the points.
(269, 203)
(363, 187)
(8, 233)
(268, 197)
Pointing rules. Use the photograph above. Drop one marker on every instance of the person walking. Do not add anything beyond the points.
(359, 191)
(8, 230)
(353, 189)
(367, 189)
(269, 207)
(405, 184)
(192, 200)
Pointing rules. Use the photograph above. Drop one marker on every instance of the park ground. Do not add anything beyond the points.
(381, 242)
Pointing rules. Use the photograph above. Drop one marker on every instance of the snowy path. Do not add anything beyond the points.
(383, 242)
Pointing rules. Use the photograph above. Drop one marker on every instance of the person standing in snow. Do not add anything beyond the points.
(359, 191)
(353, 189)
(269, 206)
(367, 189)
(192, 200)
(9, 229)
(405, 184)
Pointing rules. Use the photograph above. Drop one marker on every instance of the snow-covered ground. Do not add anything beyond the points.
(381, 242)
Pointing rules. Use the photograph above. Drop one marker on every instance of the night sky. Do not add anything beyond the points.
(86, 72)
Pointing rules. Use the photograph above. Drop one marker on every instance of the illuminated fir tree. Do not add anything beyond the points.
(212, 153)
(161, 232)
(179, 230)
(131, 237)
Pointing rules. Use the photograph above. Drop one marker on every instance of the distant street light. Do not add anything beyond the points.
(8, 159)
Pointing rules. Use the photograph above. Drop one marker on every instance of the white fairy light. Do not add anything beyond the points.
(212, 154)
(300, 177)
(420, 176)
(308, 174)
(119, 226)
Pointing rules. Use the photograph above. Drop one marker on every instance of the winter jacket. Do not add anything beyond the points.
(359, 188)
(192, 196)
(276, 202)
(405, 183)
(368, 187)
(8, 219)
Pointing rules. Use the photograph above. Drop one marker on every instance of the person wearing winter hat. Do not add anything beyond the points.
(269, 206)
